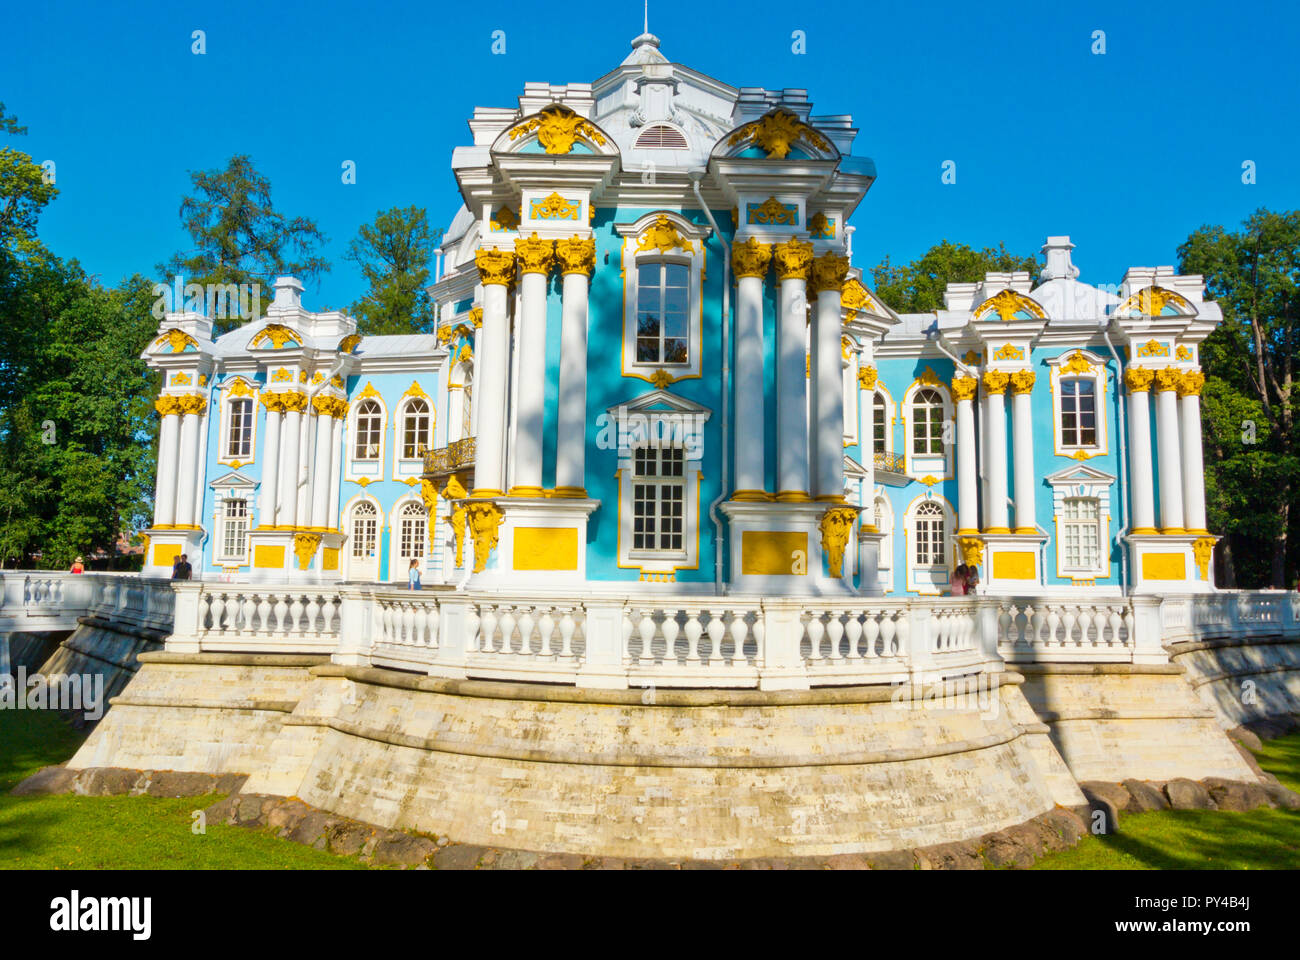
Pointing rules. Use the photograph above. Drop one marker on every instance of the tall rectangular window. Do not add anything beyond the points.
(658, 499)
(239, 436)
(662, 320)
(1081, 533)
(1078, 412)
(878, 423)
(234, 529)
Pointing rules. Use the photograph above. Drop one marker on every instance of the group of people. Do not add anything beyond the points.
(964, 580)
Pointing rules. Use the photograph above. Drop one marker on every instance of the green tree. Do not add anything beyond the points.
(24, 192)
(393, 254)
(239, 237)
(918, 287)
(1249, 362)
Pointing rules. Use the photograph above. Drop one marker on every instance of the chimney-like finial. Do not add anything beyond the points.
(1058, 265)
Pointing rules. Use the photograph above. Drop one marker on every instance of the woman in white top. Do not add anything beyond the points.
(413, 575)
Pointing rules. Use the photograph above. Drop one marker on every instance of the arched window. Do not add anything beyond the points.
(239, 434)
(369, 431)
(1078, 412)
(927, 423)
(365, 530)
(415, 429)
(467, 405)
(929, 549)
(410, 528)
(662, 320)
(879, 423)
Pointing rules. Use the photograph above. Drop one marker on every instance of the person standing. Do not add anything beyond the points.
(957, 583)
(413, 575)
(78, 566)
(182, 569)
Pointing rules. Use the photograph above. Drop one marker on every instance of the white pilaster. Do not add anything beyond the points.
(187, 467)
(1141, 475)
(336, 470)
(491, 363)
(1189, 393)
(291, 435)
(271, 461)
(1023, 450)
(750, 418)
(534, 264)
(828, 370)
(168, 455)
(995, 384)
(322, 471)
(792, 261)
(967, 465)
(577, 257)
(1168, 448)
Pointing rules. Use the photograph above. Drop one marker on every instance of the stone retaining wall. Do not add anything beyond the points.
(1243, 680)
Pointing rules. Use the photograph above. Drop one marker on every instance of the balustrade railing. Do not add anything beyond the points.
(1039, 628)
(43, 599)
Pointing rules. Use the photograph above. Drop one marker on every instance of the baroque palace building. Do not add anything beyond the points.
(656, 369)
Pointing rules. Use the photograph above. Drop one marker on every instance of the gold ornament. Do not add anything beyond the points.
(304, 548)
(820, 227)
(495, 266)
(772, 212)
(793, 259)
(167, 405)
(929, 378)
(557, 128)
(828, 272)
(350, 343)
(505, 219)
(995, 381)
(662, 379)
(867, 377)
(181, 380)
(1202, 551)
(776, 133)
(1167, 378)
(282, 376)
(484, 523)
(963, 388)
(1138, 379)
(177, 339)
(576, 255)
(1008, 303)
(1009, 352)
(555, 207)
(278, 334)
(239, 388)
(476, 317)
(751, 258)
(1182, 353)
(368, 391)
(971, 359)
(972, 551)
(1022, 381)
(663, 236)
(1191, 383)
(854, 296)
(535, 255)
(1153, 348)
(1151, 302)
(835, 525)
(1077, 363)
(455, 493)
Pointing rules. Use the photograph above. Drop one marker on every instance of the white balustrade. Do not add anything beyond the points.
(1032, 628)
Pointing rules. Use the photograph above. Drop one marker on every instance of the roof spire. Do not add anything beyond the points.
(646, 25)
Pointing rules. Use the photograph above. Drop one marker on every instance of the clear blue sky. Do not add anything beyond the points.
(1126, 152)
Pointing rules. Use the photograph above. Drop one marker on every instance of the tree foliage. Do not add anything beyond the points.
(239, 237)
(918, 287)
(393, 254)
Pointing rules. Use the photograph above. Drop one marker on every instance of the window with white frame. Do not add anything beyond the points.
(365, 530)
(927, 409)
(658, 500)
(662, 312)
(415, 429)
(1080, 522)
(411, 526)
(369, 431)
(879, 423)
(929, 548)
(239, 429)
(1078, 412)
(234, 529)
(884, 521)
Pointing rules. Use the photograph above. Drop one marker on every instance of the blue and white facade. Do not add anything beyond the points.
(657, 370)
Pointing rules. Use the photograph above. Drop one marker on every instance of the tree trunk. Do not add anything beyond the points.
(1278, 572)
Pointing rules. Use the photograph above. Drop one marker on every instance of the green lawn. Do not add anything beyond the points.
(1195, 840)
(120, 833)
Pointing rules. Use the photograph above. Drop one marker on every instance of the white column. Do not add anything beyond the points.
(321, 471)
(827, 429)
(792, 260)
(577, 258)
(471, 429)
(287, 514)
(1189, 394)
(303, 510)
(963, 389)
(1141, 492)
(995, 384)
(164, 501)
(535, 259)
(336, 466)
(1022, 382)
(1167, 445)
(982, 469)
(749, 261)
(867, 435)
(271, 460)
(189, 453)
(491, 363)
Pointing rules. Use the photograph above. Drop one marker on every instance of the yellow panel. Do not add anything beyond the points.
(166, 554)
(1164, 566)
(268, 557)
(1013, 565)
(776, 553)
(546, 548)
(330, 560)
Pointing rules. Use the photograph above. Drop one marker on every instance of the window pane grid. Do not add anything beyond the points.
(234, 530)
(658, 506)
(663, 313)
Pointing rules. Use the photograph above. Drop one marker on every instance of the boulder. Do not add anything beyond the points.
(177, 783)
(1281, 796)
(1187, 794)
(458, 856)
(1002, 851)
(395, 847)
(1064, 829)
(1145, 797)
(348, 838)
(1229, 795)
(1109, 798)
(1246, 737)
(108, 781)
(287, 815)
(555, 861)
(961, 855)
(47, 780)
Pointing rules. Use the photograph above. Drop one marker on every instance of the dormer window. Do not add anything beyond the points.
(660, 136)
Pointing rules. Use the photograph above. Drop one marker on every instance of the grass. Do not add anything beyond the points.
(119, 833)
(1200, 840)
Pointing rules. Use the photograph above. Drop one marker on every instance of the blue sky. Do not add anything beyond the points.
(1126, 152)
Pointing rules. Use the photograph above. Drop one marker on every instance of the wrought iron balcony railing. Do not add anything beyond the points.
(450, 459)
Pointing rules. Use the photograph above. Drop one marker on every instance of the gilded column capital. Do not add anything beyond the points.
(995, 381)
(793, 259)
(963, 388)
(535, 255)
(335, 407)
(274, 402)
(576, 255)
(193, 403)
(293, 401)
(1138, 379)
(1167, 378)
(751, 258)
(167, 405)
(495, 266)
(829, 271)
(867, 377)
(1191, 383)
(1022, 381)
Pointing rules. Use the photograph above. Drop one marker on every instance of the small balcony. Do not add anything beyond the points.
(453, 458)
(891, 468)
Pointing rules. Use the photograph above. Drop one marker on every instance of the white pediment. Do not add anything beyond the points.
(232, 482)
(659, 403)
(1080, 474)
